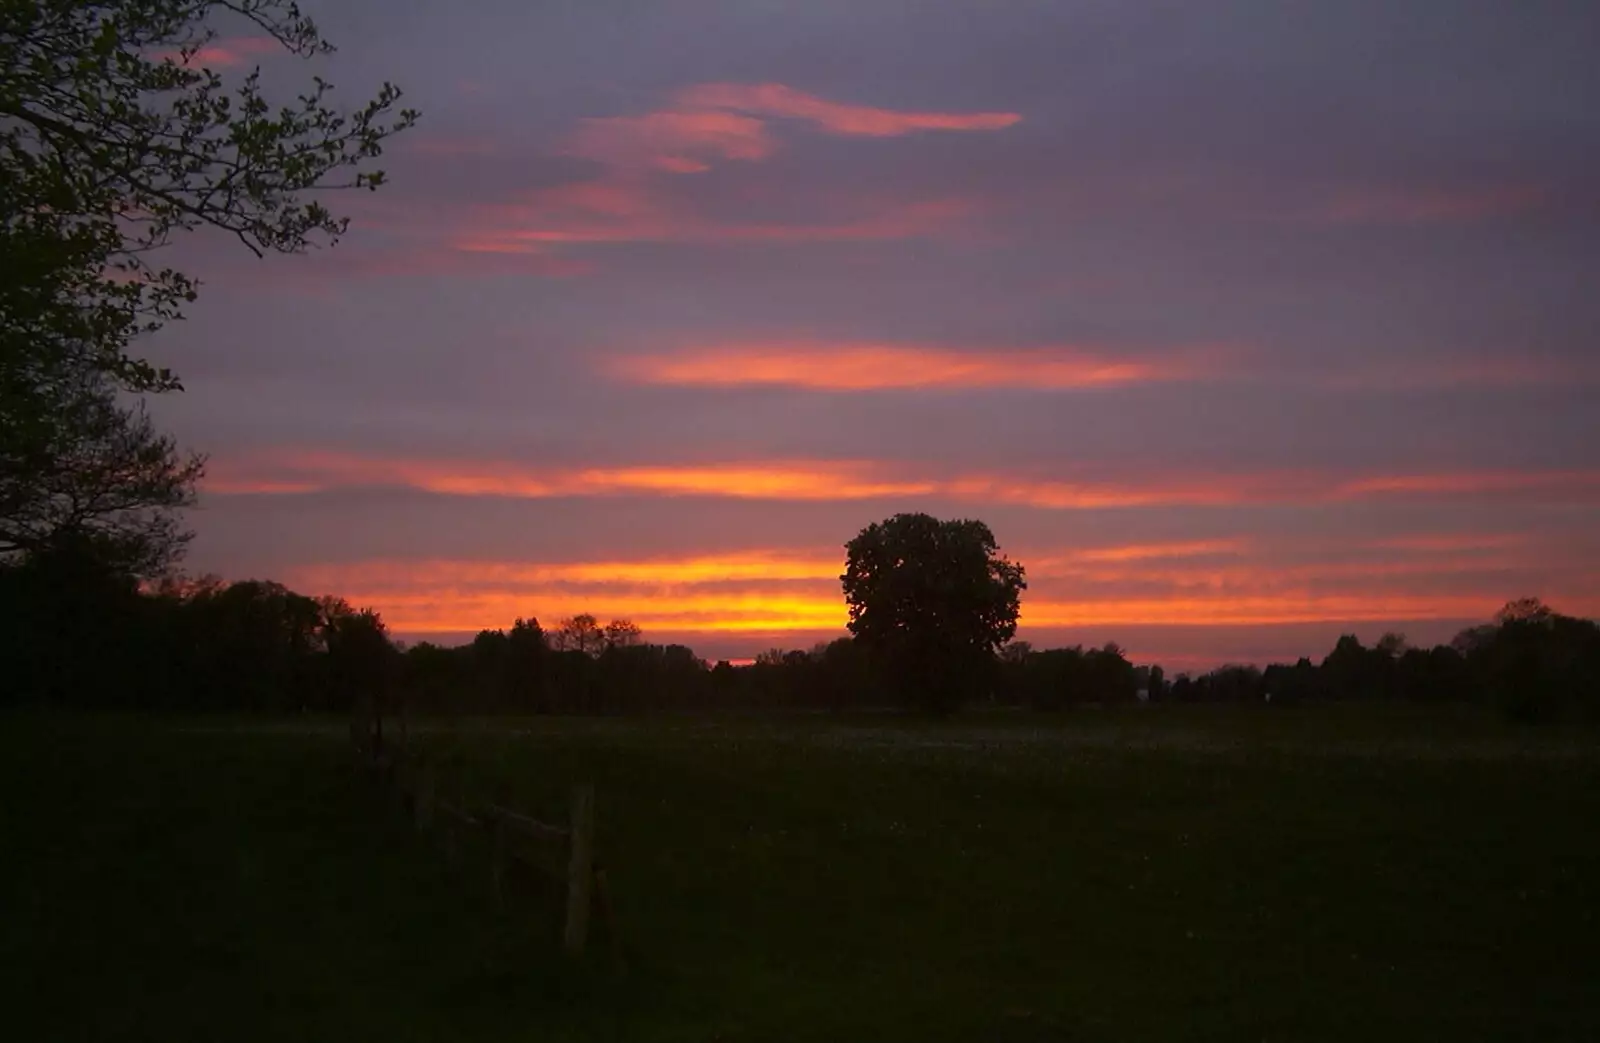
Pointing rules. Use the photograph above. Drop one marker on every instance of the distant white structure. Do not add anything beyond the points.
(1143, 694)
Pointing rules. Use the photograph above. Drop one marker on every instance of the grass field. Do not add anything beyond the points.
(1182, 874)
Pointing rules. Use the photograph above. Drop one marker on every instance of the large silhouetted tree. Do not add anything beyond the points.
(114, 135)
(932, 600)
(94, 466)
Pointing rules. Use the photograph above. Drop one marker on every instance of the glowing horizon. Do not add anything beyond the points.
(778, 591)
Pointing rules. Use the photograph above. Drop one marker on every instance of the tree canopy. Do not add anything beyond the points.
(933, 600)
(114, 135)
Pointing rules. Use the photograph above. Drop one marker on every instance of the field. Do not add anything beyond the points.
(1180, 874)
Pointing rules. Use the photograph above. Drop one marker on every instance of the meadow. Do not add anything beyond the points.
(1183, 873)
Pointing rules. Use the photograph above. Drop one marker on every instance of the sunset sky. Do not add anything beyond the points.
(1241, 324)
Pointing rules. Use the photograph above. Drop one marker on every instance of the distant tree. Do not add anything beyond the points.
(932, 600)
(1393, 645)
(580, 633)
(1108, 676)
(1235, 683)
(1525, 610)
(1539, 666)
(846, 675)
(1353, 671)
(622, 633)
(523, 665)
(361, 659)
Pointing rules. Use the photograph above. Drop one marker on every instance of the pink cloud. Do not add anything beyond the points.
(223, 53)
(727, 121)
(629, 201)
(674, 141)
(775, 99)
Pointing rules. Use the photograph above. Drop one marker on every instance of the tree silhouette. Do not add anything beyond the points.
(932, 600)
(524, 663)
(81, 462)
(113, 137)
(580, 633)
(622, 633)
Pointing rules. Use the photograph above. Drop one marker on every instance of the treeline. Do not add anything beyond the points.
(78, 633)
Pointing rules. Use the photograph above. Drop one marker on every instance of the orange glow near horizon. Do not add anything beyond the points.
(449, 610)
(866, 367)
(796, 592)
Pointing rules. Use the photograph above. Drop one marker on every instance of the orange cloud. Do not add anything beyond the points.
(867, 367)
(737, 566)
(1075, 560)
(775, 99)
(1257, 610)
(786, 480)
(844, 480)
(1473, 482)
(1268, 576)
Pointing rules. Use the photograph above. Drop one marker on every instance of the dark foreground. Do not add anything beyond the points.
(1166, 875)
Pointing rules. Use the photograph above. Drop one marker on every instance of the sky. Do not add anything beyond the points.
(1242, 324)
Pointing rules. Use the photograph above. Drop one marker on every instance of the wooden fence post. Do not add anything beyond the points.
(580, 869)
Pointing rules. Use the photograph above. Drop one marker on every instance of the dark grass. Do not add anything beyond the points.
(1315, 874)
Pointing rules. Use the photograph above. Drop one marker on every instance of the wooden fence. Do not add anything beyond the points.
(513, 836)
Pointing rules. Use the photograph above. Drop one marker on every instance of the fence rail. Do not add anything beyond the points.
(413, 776)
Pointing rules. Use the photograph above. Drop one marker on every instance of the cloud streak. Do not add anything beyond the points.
(874, 367)
(300, 471)
(601, 212)
(728, 121)
(778, 100)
